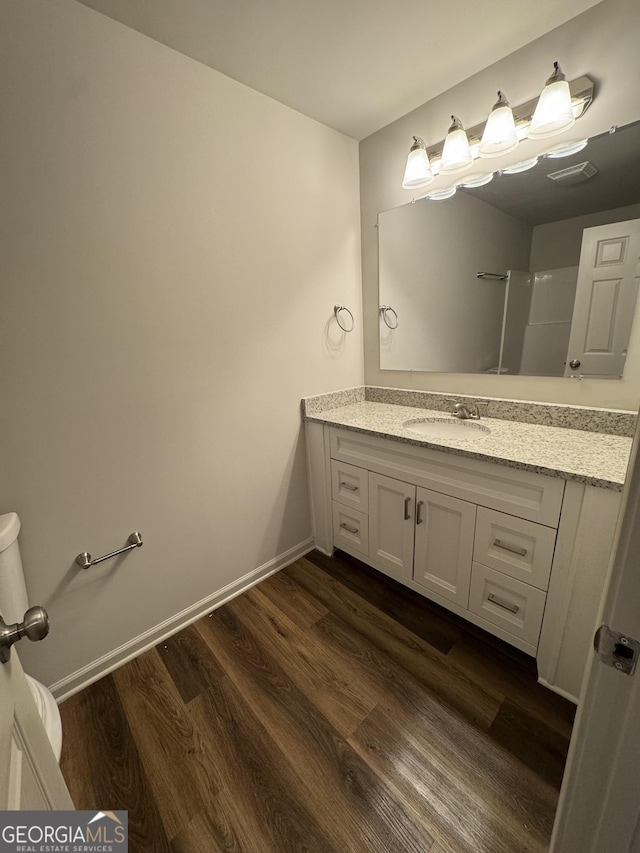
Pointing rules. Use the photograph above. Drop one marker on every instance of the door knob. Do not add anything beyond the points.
(35, 626)
(575, 362)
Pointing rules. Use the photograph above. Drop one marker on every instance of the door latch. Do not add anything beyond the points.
(616, 650)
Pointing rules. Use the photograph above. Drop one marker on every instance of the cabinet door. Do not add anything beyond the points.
(444, 545)
(391, 525)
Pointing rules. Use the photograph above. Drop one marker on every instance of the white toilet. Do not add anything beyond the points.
(13, 604)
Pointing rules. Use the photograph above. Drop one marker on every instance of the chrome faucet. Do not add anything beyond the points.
(466, 411)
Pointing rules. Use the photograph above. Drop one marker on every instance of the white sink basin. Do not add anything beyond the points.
(447, 428)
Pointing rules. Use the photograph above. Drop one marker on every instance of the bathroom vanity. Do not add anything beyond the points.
(510, 527)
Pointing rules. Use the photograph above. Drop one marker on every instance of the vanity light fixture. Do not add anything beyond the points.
(418, 170)
(456, 154)
(554, 111)
(499, 135)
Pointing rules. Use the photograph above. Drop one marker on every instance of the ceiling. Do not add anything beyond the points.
(354, 65)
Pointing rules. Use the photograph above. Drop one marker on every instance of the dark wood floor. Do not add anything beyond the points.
(327, 709)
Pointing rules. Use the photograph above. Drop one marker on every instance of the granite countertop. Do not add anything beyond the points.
(597, 459)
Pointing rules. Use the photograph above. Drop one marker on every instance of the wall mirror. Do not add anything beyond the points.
(558, 245)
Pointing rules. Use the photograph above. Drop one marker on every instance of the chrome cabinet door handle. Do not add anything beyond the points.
(419, 506)
(351, 488)
(512, 608)
(349, 529)
(506, 546)
(407, 501)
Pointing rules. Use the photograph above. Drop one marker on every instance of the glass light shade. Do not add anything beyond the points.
(499, 135)
(456, 154)
(523, 166)
(554, 111)
(418, 170)
(476, 180)
(441, 195)
(567, 149)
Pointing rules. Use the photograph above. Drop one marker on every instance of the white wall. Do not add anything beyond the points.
(603, 43)
(172, 247)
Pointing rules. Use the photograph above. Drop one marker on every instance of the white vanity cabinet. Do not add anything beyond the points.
(510, 550)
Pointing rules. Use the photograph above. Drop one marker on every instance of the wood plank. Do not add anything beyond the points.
(486, 664)
(102, 766)
(464, 789)
(529, 738)
(76, 761)
(426, 664)
(199, 835)
(331, 684)
(453, 742)
(346, 794)
(292, 600)
(181, 773)
(420, 616)
(189, 663)
(261, 807)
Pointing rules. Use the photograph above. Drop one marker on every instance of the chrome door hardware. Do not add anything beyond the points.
(512, 608)
(35, 626)
(407, 514)
(85, 560)
(574, 363)
(616, 650)
(349, 528)
(507, 546)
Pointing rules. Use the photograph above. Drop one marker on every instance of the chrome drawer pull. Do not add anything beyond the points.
(406, 509)
(419, 506)
(349, 529)
(512, 608)
(521, 552)
(347, 486)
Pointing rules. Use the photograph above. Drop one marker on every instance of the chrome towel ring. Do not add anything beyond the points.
(336, 310)
(385, 310)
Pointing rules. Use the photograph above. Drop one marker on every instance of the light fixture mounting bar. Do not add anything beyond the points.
(581, 90)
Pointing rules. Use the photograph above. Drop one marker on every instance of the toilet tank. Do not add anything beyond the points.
(13, 593)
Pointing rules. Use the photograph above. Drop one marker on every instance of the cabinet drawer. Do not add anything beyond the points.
(350, 485)
(350, 529)
(512, 605)
(511, 490)
(518, 548)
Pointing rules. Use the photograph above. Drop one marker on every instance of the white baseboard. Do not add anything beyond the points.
(71, 684)
(564, 693)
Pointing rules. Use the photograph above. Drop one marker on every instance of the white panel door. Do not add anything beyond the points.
(391, 525)
(599, 807)
(444, 545)
(605, 299)
(29, 774)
